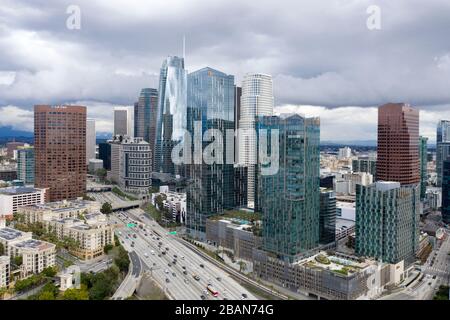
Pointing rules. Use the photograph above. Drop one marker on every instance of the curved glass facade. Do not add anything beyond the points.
(171, 118)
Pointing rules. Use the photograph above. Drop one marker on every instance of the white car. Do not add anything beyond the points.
(146, 254)
(152, 252)
(166, 271)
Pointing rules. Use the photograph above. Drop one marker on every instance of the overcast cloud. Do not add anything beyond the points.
(324, 60)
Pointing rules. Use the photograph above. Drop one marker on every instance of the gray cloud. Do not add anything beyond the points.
(319, 52)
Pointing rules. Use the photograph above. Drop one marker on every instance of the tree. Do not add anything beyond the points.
(2, 249)
(18, 260)
(76, 294)
(122, 260)
(106, 208)
(101, 173)
(107, 248)
(49, 272)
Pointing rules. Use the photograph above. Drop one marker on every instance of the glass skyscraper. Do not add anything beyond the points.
(423, 153)
(145, 112)
(290, 198)
(445, 210)
(25, 164)
(210, 106)
(171, 117)
(327, 228)
(442, 147)
(387, 221)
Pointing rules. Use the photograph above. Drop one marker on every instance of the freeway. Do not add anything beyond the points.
(115, 201)
(177, 280)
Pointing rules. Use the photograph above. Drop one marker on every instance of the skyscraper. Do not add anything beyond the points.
(123, 121)
(90, 140)
(145, 112)
(445, 209)
(423, 154)
(104, 153)
(210, 106)
(442, 147)
(237, 116)
(398, 150)
(257, 100)
(60, 150)
(387, 221)
(290, 198)
(171, 117)
(327, 227)
(25, 164)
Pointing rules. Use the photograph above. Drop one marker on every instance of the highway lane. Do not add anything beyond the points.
(227, 287)
(230, 288)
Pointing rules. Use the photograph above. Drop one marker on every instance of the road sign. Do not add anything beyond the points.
(131, 225)
(173, 232)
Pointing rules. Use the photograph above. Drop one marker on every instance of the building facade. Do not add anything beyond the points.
(11, 199)
(145, 113)
(5, 270)
(171, 117)
(442, 148)
(423, 155)
(210, 107)
(387, 221)
(365, 165)
(104, 153)
(123, 121)
(25, 164)
(90, 140)
(327, 228)
(290, 198)
(398, 150)
(446, 192)
(60, 150)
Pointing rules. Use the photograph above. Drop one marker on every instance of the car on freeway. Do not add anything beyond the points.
(196, 277)
(163, 252)
(146, 254)
(185, 272)
(174, 274)
(174, 261)
(167, 280)
(183, 267)
(203, 297)
(152, 252)
(186, 281)
(167, 248)
(169, 264)
(202, 265)
(166, 271)
(175, 256)
(182, 257)
(159, 255)
(219, 279)
(244, 296)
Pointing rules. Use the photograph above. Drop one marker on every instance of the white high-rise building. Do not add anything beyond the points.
(345, 153)
(256, 100)
(123, 121)
(90, 140)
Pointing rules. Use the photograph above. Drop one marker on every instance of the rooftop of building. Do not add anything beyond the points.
(65, 205)
(34, 244)
(238, 216)
(339, 264)
(342, 224)
(14, 191)
(10, 233)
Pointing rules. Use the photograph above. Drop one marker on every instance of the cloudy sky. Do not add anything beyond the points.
(324, 59)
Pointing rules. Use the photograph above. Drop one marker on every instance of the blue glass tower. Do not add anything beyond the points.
(289, 200)
(210, 106)
(442, 147)
(172, 112)
(25, 165)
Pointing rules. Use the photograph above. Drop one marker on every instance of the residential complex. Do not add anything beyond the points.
(5, 271)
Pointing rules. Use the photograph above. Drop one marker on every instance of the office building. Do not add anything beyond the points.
(365, 165)
(60, 150)
(442, 148)
(387, 221)
(237, 116)
(446, 192)
(327, 220)
(398, 150)
(94, 165)
(290, 198)
(123, 121)
(11, 147)
(25, 164)
(210, 106)
(145, 113)
(344, 153)
(135, 165)
(90, 140)
(171, 118)
(11, 199)
(104, 153)
(423, 155)
(256, 100)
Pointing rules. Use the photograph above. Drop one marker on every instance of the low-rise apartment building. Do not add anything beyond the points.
(4, 271)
